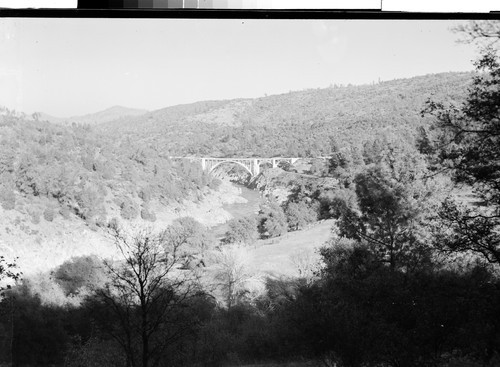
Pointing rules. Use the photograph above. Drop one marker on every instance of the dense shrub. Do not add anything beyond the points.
(190, 233)
(363, 313)
(7, 198)
(94, 352)
(89, 201)
(242, 230)
(101, 220)
(148, 215)
(88, 162)
(299, 215)
(49, 214)
(65, 212)
(35, 216)
(272, 220)
(145, 194)
(285, 165)
(129, 209)
(109, 172)
(318, 168)
(214, 183)
(79, 272)
(43, 286)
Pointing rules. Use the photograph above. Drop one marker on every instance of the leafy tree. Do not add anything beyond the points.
(338, 160)
(470, 146)
(148, 214)
(373, 150)
(394, 204)
(26, 175)
(242, 231)
(285, 165)
(7, 198)
(128, 209)
(48, 214)
(7, 158)
(190, 234)
(318, 167)
(35, 215)
(145, 194)
(335, 202)
(361, 313)
(272, 220)
(65, 212)
(214, 183)
(80, 272)
(341, 167)
(89, 202)
(299, 215)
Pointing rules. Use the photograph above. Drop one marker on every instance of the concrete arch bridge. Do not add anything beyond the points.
(251, 165)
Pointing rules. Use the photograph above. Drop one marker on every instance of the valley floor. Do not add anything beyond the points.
(294, 251)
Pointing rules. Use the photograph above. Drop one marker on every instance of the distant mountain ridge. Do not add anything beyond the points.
(301, 123)
(107, 115)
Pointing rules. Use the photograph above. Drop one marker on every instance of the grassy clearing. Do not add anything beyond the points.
(278, 256)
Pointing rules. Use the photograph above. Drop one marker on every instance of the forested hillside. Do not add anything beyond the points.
(304, 123)
(77, 170)
(60, 184)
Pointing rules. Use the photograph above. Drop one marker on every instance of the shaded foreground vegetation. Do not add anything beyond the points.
(356, 312)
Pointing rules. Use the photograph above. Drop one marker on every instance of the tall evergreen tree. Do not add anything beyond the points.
(470, 146)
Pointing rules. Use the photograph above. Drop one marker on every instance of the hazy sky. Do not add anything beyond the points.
(67, 67)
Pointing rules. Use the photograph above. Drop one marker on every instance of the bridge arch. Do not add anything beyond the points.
(232, 162)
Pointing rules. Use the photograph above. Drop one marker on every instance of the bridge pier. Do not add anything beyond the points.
(275, 163)
(204, 164)
(255, 167)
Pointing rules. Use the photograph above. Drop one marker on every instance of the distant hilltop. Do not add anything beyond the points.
(305, 123)
(107, 115)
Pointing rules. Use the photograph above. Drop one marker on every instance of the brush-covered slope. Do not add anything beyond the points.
(304, 123)
(60, 186)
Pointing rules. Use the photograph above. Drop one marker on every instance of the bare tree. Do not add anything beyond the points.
(145, 295)
(234, 276)
(304, 262)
